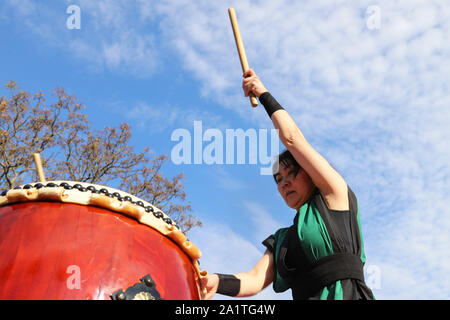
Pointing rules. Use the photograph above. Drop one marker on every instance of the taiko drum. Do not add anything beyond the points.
(68, 240)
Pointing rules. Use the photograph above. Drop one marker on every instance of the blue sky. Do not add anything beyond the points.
(367, 82)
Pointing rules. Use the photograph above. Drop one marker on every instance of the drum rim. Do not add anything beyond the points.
(66, 191)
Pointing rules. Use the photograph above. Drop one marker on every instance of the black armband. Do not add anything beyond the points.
(229, 285)
(270, 104)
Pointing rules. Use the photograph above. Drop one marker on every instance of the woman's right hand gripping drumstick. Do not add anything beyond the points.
(252, 84)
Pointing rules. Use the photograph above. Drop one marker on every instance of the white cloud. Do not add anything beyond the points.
(157, 118)
(152, 118)
(114, 35)
(222, 249)
(374, 101)
(225, 180)
(264, 223)
(23, 8)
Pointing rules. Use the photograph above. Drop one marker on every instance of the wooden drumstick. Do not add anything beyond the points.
(240, 48)
(40, 171)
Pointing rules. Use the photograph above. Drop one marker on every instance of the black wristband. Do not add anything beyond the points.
(229, 285)
(270, 104)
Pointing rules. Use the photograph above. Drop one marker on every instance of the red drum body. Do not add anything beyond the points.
(60, 250)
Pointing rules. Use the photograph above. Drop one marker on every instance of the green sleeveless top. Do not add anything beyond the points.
(321, 232)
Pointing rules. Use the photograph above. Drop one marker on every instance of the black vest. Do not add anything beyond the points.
(309, 277)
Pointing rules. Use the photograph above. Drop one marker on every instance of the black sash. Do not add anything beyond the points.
(307, 277)
(327, 271)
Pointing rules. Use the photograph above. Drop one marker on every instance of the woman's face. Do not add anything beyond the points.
(294, 185)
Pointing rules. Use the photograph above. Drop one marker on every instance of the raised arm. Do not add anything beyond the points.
(329, 182)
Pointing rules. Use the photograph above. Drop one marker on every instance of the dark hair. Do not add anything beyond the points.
(286, 159)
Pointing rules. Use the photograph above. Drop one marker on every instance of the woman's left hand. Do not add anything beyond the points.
(209, 285)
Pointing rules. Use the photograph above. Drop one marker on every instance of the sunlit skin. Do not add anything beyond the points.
(294, 189)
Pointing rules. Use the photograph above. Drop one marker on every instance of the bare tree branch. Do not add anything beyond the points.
(71, 150)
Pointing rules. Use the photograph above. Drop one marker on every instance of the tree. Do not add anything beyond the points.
(72, 150)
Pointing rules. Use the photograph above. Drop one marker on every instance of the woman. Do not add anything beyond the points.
(321, 255)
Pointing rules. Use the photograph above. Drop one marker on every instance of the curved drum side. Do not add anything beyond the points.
(52, 250)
